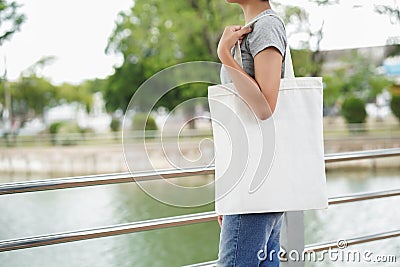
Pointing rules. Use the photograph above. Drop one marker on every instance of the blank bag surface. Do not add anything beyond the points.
(269, 165)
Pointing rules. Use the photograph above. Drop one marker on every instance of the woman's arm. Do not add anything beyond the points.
(267, 72)
(260, 93)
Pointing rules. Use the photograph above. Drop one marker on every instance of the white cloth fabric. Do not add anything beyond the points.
(269, 165)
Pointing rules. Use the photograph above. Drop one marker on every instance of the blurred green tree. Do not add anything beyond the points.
(325, 2)
(143, 121)
(395, 106)
(151, 36)
(363, 78)
(10, 19)
(115, 125)
(392, 11)
(308, 59)
(357, 77)
(68, 93)
(30, 95)
(353, 110)
(335, 82)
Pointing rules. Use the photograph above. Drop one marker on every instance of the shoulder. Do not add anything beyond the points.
(267, 24)
(267, 31)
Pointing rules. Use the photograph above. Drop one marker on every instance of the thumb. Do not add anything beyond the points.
(245, 30)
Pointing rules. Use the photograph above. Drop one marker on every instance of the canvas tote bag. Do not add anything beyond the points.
(269, 165)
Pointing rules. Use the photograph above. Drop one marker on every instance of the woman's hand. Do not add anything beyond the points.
(229, 38)
(220, 220)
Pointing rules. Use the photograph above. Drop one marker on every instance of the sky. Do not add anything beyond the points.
(76, 33)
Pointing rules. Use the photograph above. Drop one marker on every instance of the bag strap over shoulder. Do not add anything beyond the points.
(289, 73)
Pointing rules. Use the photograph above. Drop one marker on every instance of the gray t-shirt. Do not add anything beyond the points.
(268, 31)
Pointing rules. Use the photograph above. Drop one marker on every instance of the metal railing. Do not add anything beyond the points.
(73, 182)
(326, 246)
(134, 227)
(336, 132)
(90, 138)
(115, 178)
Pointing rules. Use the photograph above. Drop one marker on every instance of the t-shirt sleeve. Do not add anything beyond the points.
(267, 32)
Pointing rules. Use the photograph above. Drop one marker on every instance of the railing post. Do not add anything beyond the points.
(292, 238)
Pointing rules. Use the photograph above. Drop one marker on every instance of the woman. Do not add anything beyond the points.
(252, 239)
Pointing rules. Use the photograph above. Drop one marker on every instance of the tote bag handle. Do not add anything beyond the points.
(289, 73)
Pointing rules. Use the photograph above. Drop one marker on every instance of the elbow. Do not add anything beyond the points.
(263, 116)
(267, 110)
(266, 114)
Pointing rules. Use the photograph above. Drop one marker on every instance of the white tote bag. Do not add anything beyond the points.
(269, 165)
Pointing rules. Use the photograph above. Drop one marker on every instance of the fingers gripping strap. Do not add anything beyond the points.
(289, 73)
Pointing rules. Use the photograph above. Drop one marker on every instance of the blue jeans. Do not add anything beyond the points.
(250, 240)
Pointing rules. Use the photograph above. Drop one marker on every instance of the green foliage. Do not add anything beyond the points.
(356, 77)
(334, 87)
(10, 19)
(353, 110)
(68, 134)
(53, 130)
(325, 2)
(54, 127)
(393, 50)
(39, 65)
(362, 78)
(150, 37)
(391, 11)
(143, 121)
(303, 63)
(395, 106)
(115, 125)
(295, 15)
(32, 94)
(122, 85)
(308, 60)
(69, 93)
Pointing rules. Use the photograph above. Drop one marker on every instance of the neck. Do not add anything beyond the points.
(252, 8)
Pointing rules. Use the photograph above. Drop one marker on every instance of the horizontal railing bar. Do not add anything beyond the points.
(326, 246)
(103, 179)
(364, 196)
(360, 138)
(357, 155)
(351, 241)
(30, 242)
(203, 264)
(115, 178)
(113, 230)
